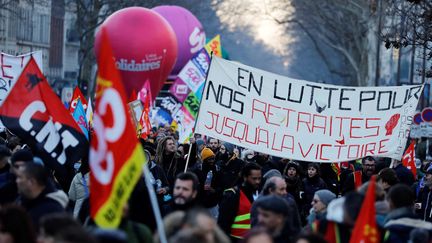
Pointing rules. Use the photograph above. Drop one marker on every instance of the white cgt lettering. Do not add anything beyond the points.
(112, 99)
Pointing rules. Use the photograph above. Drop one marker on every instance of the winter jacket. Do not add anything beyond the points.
(41, 205)
(229, 206)
(8, 187)
(399, 224)
(230, 171)
(208, 198)
(310, 186)
(78, 191)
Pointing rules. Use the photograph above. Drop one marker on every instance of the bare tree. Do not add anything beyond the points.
(411, 26)
(347, 27)
(343, 33)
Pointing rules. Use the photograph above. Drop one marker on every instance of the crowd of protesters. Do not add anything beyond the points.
(227, 194)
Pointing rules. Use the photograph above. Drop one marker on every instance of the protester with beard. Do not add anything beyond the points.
(213, 144)
(209, 176)
(230, 165)
(234, 210)
(311, 184)
(184, 193)
(368, 169)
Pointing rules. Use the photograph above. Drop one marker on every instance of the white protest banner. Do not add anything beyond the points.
(303, 120)
(11, 68)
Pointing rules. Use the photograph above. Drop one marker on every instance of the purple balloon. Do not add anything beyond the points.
(189, 31)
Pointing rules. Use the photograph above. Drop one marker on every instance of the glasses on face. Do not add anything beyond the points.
(369, 165)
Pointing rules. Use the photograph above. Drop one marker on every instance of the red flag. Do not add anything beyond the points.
(357, 178)
(365, 229)
(145, 124)
(34, 112)
(408, 159)
(133, 96)
(77, 94)
(145, 93)
(116, 158)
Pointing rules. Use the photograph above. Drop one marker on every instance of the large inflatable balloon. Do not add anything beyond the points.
(144, 46)
(189, 31)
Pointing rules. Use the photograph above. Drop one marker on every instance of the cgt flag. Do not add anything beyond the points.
(34, 113)
(116, 157)
(365, 229)
(408, 159)
(77, 95)
(80, 118)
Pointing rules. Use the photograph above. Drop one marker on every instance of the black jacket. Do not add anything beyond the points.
(41, 205)
(230, 171)
(8, 187)
(310, 186)
(229, 206)
(208, 198)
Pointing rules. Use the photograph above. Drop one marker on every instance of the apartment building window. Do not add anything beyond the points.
(25, 25)
(41, 28)
(13, 21)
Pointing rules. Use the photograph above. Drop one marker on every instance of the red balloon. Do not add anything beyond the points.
(144, 47)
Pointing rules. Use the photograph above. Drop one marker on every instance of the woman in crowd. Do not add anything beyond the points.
(311, 184)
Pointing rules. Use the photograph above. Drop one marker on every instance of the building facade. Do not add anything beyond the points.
(46, 25)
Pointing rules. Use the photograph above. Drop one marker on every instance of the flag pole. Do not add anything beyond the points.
(154, 202)
(205, 82)
(189, 153)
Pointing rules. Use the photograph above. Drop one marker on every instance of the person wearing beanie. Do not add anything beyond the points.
(19, 158)
(319, 203)
(276, 185)
(312, 183)
(273, 212)
(229, 147)
(209, 177)
(206, 153)
(269, 174)
(226, 151)
(292, 177)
